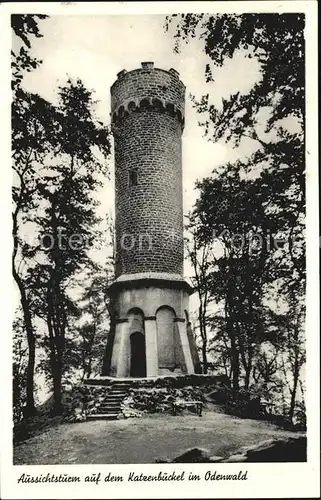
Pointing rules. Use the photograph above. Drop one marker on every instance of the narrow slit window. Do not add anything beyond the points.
(133, 177)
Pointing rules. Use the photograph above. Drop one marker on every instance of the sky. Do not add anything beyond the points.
(96, 48)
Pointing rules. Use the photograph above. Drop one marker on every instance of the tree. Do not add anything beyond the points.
(29, 143)
(56, 173)
(236, 269)
(293, 353)
(261, 197)
(68, 223)
(89, 336)
(199, 254)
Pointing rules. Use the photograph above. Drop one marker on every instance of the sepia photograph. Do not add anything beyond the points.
(158, 241)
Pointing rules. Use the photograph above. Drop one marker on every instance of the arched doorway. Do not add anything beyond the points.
(137, 355)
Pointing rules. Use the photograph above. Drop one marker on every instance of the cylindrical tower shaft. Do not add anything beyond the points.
(147, 117)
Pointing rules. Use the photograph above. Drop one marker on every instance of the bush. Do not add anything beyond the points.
(300, 418)
(244, 404)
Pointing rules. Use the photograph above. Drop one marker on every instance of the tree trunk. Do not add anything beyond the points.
(235, 369)
(235, 363)
(202, 323)
(247, 377)
(90, 349)
(110, 340)
(57, 387)
(296, 370)
(30, 402)
(295, 386)
(247, 365)
(55, 357)
(204, 356)
(230, 323)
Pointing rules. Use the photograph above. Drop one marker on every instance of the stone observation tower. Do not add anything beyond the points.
(151, 333)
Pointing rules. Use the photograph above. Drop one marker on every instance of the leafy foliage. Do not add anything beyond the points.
(252, 213)
(24, 27)
(59, 162)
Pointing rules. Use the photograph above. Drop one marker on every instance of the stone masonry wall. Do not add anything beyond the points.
(149, 215)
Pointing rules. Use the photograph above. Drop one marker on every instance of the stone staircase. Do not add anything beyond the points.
(110, 407)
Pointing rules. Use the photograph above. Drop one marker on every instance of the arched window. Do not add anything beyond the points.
(136, 320)
(170, 108)
(131, 106)
(121, 111)
(133, 177)
(144, 104)
(158, 104)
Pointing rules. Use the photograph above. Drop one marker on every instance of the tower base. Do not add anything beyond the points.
(152, 335)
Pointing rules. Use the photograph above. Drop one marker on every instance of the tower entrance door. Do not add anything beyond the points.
(137, 355)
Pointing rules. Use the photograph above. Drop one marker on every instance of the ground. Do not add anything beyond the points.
(142, 440)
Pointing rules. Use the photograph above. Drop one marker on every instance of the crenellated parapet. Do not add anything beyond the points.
(148, 89)
(146, 104)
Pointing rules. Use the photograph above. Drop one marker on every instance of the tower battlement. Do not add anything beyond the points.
(148, 88)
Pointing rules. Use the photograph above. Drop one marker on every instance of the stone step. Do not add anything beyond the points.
(112, 400)
(109, 406)
(116, 394)
(116, 401)
(122, 384)
(108, 401)
(120, 388)
(107, 410)
(103, 416)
